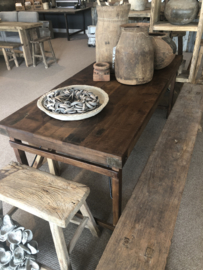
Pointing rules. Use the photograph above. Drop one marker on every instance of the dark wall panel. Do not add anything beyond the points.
(74, 21)
(7, 5)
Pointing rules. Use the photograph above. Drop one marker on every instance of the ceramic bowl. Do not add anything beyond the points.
(103, 98)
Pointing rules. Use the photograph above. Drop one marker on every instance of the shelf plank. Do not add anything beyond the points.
(139, 13)
(166, 26)
(183, 77)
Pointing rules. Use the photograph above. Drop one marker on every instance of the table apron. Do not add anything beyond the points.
(63, 158)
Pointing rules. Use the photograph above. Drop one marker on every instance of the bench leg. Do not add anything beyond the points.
(91, 222)
(60, 246)
(14, 58)
(6, 59)
(43, 55)
(52, 50)
(53, 167)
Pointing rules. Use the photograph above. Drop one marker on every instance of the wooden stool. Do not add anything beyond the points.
(40, 42)
(8, 51)
(51, 198)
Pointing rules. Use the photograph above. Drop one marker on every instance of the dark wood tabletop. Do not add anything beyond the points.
(107, 138)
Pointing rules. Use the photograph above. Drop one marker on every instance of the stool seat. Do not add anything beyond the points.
(10, 45)
(41, 39)
(47, 196)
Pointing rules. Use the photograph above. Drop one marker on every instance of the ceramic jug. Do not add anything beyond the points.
(182, 11)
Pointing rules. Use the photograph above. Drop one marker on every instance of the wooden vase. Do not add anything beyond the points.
(108, 30)
(134, 61)
(164, 48)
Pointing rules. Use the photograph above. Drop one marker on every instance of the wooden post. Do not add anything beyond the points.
(155, 13)
(196, 47)
(20, 155)
(117, 196)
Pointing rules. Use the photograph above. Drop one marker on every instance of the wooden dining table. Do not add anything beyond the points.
(27, 31)
(102, 143)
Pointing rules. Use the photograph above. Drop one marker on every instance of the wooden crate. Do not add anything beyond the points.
(19, 8)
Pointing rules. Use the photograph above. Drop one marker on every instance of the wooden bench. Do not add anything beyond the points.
(142, 237)
(8, 51)
(51, 198)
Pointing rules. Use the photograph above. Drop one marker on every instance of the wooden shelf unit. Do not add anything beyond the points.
(157, 25)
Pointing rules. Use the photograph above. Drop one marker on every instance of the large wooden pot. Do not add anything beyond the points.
(164, 48)
(108, 30)
(134, 61)
(181, 12)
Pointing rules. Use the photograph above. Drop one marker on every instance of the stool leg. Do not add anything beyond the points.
(1, 208)
(43, 55)
(91, 222)
(14, 57)
(6, 59)
(60, 246)
(33, 55)
(52, 50)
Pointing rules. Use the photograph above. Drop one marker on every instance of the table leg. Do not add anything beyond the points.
(171, 96)
(83, 21)
(67, 29)
(26, 47)
(117, 196)
(180, 45)
(20, 155)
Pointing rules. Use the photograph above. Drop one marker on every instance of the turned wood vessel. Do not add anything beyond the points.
(101, 72)
(182, 11)
(134, 62)
(108, 30)
(164, 48)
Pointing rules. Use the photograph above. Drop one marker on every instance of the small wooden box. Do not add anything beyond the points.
(19, 8)
(29, 7)
(37, 4)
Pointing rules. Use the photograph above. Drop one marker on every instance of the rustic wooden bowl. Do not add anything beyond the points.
(103, 98)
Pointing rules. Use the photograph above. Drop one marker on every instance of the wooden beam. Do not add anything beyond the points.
(142, 237)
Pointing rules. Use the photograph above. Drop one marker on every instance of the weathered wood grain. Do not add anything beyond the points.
(142, 237)
(16, 26)
(49, 197)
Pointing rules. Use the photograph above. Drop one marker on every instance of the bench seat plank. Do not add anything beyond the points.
(47, 196)
(142, 237)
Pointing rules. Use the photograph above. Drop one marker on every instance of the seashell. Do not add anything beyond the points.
(8, 225)
(5, 257)
(15, 237)
(12, 266)
(25, 248)
(33, 246)
(13, 247)
(31, 257)
(32, 265)
(27, 236)
(18, 256)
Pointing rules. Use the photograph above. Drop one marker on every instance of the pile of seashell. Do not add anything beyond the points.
(23, 250)
(71, 101)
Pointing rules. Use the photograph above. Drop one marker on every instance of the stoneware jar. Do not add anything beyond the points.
(101, 72)
(138, 4)
(108, 30)
(181, 12)
(134, 62)
(164, 48)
